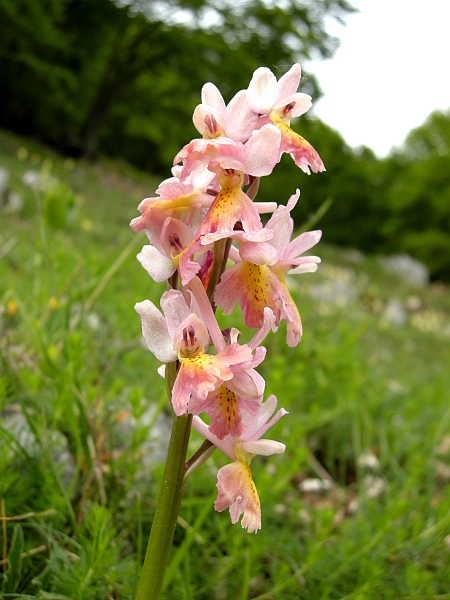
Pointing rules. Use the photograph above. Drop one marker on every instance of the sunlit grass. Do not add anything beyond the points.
(85, 420)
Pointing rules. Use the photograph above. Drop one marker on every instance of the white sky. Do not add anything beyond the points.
(391, 71)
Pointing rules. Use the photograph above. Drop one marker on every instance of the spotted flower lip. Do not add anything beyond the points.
(254, 429)
(257, 279)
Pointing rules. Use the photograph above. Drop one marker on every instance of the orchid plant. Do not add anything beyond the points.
(207, 241)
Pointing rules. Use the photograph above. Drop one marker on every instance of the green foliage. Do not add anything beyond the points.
(123, 77)
(399, 204)
(77, 464)
(419, 195)
(12, 578)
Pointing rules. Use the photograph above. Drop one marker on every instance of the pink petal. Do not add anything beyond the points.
(253, 286)
(268, 325)
(212, 97)
(171, 190)
(247, 384)
(281, 210)
(196, 378)
(304, 155)
(288, 83)
(222, 407)
(302, 243)
(241, 119)
(258, 253)
(226, 445)
(263, 151)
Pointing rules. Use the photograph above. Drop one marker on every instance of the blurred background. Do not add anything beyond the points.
(96, 98)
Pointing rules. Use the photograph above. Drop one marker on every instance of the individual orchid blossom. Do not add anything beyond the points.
(212, 118)
(236, 488)
(169, 237)
(278, 102)
(181, 335)
(257, 279)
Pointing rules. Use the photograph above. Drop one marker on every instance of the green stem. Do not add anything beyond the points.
(168, 507)
(221, 250)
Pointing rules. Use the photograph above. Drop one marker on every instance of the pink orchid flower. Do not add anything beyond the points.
(181, 335)
(278, 102)
(213, 119)
(236, 488)
(257, 279)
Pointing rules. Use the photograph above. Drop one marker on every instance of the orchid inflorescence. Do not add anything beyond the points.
(201, 222)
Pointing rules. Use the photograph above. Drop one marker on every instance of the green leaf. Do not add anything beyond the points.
(12, 579)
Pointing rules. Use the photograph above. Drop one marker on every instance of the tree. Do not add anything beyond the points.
(90, 71)
(419, 196)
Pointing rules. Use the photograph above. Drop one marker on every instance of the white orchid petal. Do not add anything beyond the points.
(241, 119)
(175, 310)
(155, 332)
(305, 268)
(261, 93)
(264, 447)
(288, 83)
(158, 266)
(212, 97)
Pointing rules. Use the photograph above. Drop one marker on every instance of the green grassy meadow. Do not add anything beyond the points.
(357, 508)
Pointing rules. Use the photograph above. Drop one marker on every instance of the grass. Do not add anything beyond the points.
(84, 418)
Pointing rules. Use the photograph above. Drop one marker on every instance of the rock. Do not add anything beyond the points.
(14, 202)
(312, 484)
(411, 270)
(15, 423)
(394, 313)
